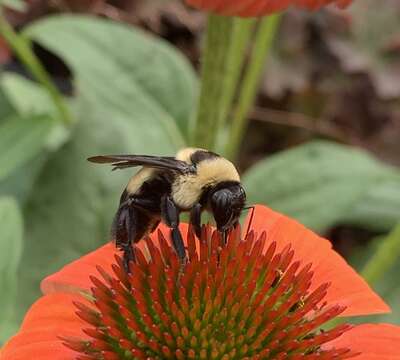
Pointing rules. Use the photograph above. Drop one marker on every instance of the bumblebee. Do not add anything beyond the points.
(195, 180)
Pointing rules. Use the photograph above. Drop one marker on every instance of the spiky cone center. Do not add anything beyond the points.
(243, 300)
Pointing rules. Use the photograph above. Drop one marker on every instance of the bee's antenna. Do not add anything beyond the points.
(252, 207)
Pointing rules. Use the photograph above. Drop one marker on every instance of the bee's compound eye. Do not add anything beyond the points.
(239, 196)
(221, 204)
(222, 198)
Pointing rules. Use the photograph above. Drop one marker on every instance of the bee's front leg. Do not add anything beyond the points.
(170, 214)
(195, 218)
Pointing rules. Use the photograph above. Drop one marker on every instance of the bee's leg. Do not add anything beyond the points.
(125, 228)
(195, 218)
(141, 204)
(127, 246)
(129, 255)
(170, 215)
(224, 237)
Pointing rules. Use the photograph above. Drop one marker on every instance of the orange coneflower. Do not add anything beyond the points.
(247, 8)
(262, 297)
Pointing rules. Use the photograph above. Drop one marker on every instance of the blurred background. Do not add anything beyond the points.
(323, 144)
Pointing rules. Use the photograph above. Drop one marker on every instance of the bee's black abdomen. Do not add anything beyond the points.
(130, 225)
(119, 227)
(139, 213)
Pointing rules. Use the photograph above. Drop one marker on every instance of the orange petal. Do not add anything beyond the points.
(347, 287)
(373, 341)
(50, 317)
(75, 276)
(248, 8)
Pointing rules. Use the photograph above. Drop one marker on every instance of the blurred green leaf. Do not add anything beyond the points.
(20, 182)
(26, 96)
(321, 183)
(129, 88)
(18, 5)
(379, 208)
(11, 225)
(29, 99)
(6, 108)
(21, 140)
(125, 71)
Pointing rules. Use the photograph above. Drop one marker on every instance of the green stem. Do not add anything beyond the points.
(212, 80)
(384, 258)
(241, 32)
(263, 41)
(23, 50)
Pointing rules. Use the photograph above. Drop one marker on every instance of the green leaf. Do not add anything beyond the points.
(124, 69)
(20, 183)
(31, 102)
(6, 108)
(25, 95)
(11, 225)
(321, 183)
(127, 96)
(18, 5)
(380, 206)
(29, 99)
(21, 140)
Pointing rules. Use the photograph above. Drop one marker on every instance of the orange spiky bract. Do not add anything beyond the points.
(242, 300)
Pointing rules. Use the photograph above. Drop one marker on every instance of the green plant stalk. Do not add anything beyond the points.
(212, 80)
(241, 32)
(23, 50)
(384, 258)
(263, 41)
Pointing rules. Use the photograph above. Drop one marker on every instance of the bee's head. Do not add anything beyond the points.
(227, 201)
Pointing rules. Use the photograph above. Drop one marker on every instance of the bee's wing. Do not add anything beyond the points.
(158, 162)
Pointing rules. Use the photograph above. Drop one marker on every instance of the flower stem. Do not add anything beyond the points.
(23, 50)
(241, 32)
(384, 258)
(212, 80)
(263, 41)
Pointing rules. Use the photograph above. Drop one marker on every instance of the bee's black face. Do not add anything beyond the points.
(227, 203)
